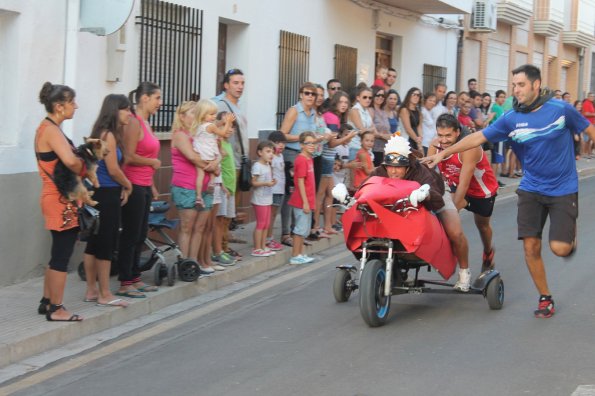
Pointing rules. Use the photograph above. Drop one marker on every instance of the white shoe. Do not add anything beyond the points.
(464, 281)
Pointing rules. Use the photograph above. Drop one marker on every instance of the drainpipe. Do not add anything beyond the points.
(459, 56)
(70, 51)
(581, 72)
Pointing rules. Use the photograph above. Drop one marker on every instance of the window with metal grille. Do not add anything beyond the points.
(294, 69)
(170, 55)
(346, 66)
(433, 75)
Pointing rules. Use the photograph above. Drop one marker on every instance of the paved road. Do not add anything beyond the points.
(288, 337)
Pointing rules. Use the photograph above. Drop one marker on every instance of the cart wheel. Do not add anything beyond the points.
(157, 273)
(340, 289)
(495, 293)
(81, 272)
(373, 304)
(171, 274)
(188, 270)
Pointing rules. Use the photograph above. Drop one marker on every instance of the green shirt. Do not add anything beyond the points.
(228, 167)
(496, 108)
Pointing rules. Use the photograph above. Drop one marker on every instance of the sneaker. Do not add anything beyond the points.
(298, 260)
(464, 281)
(260, 253)
(274, 245)
(545, 309)
(269, 251)
(487, 261)
(233, 254)
(307, 258)
(223, 259)
(205, 270)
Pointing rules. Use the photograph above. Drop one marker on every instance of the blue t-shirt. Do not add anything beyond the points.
(103, 176)
(543, 142)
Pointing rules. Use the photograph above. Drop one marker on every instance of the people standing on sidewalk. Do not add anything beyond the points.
(111, 195)
(381, 123)
(539, 127)
(410, 117)
(588, 111)
(141, 152)
(262, 196)
(51, 146)
(278, 167)
(184, 161)
(361, 118)
(303, 198)
(471, 181)
(298, 118)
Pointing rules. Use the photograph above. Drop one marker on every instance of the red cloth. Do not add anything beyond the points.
(589, 107)
(303, 167)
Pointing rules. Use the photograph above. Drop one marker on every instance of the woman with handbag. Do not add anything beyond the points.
(51, 146)
(141, 151)
(112, 194)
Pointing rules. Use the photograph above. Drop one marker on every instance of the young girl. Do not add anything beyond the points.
(364, 156)
(206, 137)
(278, 165)
(262, 196)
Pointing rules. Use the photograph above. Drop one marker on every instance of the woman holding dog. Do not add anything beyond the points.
(112, 194)
(141, 151)
(51, 146)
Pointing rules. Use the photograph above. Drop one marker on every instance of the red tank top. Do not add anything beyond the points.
(483, 183)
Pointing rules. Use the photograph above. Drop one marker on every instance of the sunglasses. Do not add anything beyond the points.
(309, 143)
(334, 88)
(309, 93)
(379, 95)
(366, 97)
(395, 159)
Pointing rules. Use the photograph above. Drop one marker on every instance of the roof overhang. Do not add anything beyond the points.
(431, 6)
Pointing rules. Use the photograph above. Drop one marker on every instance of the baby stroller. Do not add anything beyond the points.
(186, 269)
(392, 237)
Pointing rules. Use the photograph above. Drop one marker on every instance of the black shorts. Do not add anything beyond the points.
(534, 209)
(480, 206)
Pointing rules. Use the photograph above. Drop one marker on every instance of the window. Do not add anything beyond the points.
(170, 55)
(9, 68)
(294, 69)
(433, 75)
(346, 66)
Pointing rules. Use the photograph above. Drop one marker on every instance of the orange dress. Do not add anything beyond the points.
(59, 213)
(359, 175)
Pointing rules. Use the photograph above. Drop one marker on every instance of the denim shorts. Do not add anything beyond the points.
(183, 198)
(278, 199)
(327, 166)
(303, 222)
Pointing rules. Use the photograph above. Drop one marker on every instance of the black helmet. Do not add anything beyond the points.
(395, 159)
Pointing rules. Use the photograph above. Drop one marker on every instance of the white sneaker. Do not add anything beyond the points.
(464, 281)
(307, 259)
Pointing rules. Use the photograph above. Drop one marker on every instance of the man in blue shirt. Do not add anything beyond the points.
(540, 129)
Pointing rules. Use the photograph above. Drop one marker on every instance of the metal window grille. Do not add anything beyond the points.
(294, 69)
(432, 76)
(170, 55)
(346, 66)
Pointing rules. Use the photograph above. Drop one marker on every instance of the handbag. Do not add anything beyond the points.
(88, 218)
(245, 179)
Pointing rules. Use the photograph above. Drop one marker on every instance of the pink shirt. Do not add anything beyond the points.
(183, 170)
(147, 147)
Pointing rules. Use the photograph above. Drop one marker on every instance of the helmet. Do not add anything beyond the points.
(396, 159)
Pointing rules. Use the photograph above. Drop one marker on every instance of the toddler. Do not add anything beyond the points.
(262, 196)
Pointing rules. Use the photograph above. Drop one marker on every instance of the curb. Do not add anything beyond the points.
(98, 319)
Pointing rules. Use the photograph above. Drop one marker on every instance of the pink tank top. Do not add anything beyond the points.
(147, 147)
(183, 170)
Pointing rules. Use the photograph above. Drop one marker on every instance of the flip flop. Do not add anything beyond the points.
(147, 289)
(73, 318)
(131, 294)
(118, 302)
(90, 300)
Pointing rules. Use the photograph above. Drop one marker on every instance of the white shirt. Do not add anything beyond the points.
(428, 127)
(278, 165)
(262, 195)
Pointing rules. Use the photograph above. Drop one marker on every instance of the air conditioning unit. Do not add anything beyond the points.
(483, 16)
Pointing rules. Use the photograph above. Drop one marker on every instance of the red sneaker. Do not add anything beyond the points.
(545, 309)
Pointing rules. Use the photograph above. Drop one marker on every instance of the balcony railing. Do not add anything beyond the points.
(549, 17)
(515, 12)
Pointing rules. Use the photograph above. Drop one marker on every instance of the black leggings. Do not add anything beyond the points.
(135, 224)
(62, 247)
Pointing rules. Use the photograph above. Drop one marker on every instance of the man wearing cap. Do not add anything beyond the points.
(400, 163)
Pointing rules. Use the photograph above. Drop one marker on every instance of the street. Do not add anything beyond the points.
(290, 337)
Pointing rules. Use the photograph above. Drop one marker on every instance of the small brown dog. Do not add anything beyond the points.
(71, 185)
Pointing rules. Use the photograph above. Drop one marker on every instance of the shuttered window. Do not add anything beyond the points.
(433, 75)
(294, 69)
(170, 55)
(346, 66)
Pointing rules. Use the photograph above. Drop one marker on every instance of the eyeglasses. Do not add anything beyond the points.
(416, 94)
(309, 143)
(334, 88)
(396, 159)
(366, 97)
(309, 93)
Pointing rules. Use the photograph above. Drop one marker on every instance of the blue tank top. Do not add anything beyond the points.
(394, 124)
(105, 180)
(303, 123)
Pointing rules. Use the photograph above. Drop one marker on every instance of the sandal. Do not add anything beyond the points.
(43, 306)
(57, 307)
(287, 241)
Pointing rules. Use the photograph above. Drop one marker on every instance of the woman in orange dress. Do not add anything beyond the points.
(51, 146)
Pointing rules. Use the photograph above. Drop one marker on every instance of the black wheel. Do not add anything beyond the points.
(81, 272)
(495, 293)
(158, 274)
(373, 304)
(340, 289)
(188, 270)
(171, 274)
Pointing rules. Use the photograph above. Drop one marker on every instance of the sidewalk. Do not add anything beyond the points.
(24, 333)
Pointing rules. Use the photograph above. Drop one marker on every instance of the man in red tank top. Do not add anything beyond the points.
(471, 180)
